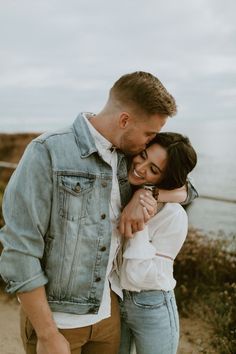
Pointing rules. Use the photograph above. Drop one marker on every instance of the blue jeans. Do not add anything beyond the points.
(150, 320)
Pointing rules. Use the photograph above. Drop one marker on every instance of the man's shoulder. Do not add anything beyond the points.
(58, 134)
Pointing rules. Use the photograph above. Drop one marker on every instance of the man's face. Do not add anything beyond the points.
(140, 132)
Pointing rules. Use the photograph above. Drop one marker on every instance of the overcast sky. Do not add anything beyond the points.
(58, 57)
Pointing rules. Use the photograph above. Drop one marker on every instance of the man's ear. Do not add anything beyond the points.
(124, 120)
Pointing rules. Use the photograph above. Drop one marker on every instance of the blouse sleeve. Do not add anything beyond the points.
(148, 259)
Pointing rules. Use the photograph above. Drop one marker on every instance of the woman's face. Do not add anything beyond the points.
(148, 166)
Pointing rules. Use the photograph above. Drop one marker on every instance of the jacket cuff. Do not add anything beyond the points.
(28, 285)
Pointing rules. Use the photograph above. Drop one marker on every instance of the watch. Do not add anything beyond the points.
(154, 190)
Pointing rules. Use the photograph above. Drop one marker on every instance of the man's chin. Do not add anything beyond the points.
(133, 153)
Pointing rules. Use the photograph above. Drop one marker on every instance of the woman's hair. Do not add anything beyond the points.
(181, 159)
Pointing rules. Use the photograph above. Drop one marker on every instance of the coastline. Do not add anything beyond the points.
(214, 176)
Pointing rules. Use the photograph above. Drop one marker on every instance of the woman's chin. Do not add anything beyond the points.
(134, 182)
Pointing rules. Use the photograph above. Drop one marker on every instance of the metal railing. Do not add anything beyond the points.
(11, 165)
(5, 164)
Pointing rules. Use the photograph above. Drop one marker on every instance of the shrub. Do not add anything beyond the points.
(205, 270)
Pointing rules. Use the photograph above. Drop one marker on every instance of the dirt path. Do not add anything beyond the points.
(195, 334)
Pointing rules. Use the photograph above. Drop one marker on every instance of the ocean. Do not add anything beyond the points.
(214, 211)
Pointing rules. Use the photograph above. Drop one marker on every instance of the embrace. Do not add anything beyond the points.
(93, 223)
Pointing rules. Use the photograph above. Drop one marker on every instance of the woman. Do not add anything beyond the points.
(149, 313)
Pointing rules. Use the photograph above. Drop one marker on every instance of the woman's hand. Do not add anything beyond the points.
(149, 205)
(137, 212)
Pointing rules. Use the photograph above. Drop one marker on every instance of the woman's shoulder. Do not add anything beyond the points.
(170, 223)
(172, 210)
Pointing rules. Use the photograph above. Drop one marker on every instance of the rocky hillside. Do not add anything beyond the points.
(12, 147)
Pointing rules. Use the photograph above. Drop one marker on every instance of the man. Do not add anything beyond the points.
(61, 208)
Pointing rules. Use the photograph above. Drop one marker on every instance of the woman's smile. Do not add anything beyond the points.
(148, 166)
(137, 175)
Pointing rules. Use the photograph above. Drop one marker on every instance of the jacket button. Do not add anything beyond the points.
(97, 279)
(77, 188)
(104, 184)
(103, 216)
(102, 249)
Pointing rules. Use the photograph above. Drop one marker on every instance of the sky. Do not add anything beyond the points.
(60, 57)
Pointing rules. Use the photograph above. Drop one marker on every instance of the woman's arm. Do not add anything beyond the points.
(149, 265)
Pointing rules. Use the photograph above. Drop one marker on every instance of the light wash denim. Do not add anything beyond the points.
(56, 210)
(150, 320)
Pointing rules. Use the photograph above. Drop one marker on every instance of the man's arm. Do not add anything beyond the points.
(192, 193)
(134, 215)
(35, 306)
(133, 218)
(27, 209)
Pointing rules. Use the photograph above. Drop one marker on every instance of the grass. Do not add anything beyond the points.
(205, 270)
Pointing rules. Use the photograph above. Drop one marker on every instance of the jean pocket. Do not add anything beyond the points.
(149, 299)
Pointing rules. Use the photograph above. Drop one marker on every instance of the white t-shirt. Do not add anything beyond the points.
(148, 257)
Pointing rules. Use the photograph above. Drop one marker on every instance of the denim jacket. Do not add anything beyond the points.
(56, 210)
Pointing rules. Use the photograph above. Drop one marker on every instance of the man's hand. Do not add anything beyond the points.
(54, 344)
(35, 305)
(139, 210)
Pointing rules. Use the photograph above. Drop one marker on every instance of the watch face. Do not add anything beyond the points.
(150, 188)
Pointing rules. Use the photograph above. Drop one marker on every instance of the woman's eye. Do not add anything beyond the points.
(142, 154)
(155, 171)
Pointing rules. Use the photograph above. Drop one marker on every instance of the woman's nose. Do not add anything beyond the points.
(141, 167)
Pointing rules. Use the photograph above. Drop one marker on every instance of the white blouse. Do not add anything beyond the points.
(149, 256)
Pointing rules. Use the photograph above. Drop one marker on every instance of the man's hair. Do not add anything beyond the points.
(144, 91)
(181, 159)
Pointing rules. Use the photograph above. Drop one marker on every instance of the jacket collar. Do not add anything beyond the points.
(83, 137)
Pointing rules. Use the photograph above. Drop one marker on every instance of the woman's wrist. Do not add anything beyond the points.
(154, 190)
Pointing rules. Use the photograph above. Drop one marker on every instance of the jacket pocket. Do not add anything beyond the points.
(74, 194)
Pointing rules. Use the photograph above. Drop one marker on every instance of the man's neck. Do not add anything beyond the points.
(102, 124)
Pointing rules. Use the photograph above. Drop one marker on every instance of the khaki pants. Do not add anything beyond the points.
(100, 338)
